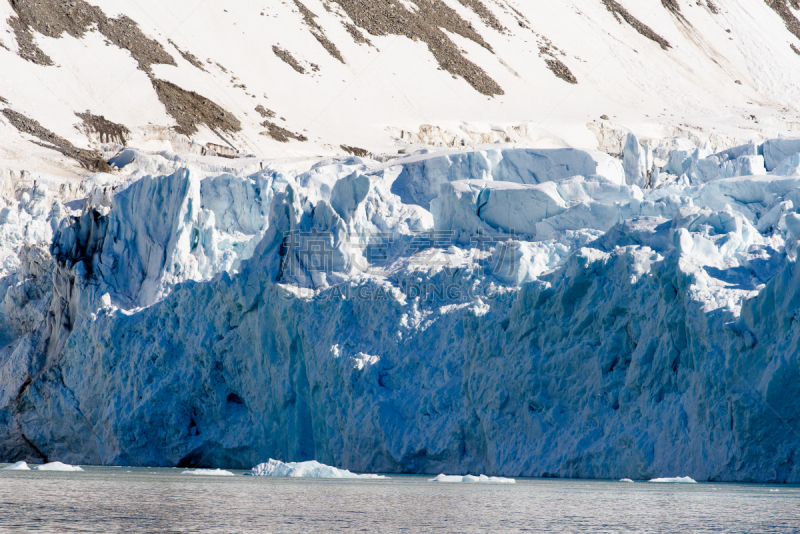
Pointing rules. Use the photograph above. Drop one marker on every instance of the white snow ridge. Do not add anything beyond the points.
(536, 239)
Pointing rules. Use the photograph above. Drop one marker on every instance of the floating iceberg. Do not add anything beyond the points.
(626, 480)
(674, 480)
(209, 473)
(473, 479)
(310, 469)
(56, 466)
(19, 466)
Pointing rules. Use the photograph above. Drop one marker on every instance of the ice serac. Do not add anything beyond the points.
(165, 230)
(637, 162)
(506, 206)
(423, 175)
(739, 161)
(538, 212)
(776, 151)
(627, 332)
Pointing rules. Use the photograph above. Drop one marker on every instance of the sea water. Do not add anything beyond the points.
(138, 500)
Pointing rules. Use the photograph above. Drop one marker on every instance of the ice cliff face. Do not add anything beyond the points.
(511, 312)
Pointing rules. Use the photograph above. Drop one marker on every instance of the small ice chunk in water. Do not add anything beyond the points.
(448, 478)
(19, 466)
(675, 480)
(471, 478)
(625, 480)
(209, 473)
(56, 466)
(310, 469)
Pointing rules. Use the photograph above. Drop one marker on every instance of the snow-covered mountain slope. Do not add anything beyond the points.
(543, 315)
(304, 78)
(563, 242)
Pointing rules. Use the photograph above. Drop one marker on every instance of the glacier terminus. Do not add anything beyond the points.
(517, 312)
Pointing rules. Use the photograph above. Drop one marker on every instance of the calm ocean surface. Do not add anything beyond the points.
(104, 499)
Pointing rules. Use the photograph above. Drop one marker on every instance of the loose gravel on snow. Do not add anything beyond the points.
(191, 110)
(317, 31)
(781, 7)
(390, 17)
(53, 18)
(288, 58)
(88, 159)
(280, 134)
(620, 13)
(107, 131)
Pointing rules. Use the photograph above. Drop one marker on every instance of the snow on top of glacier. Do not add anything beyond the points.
(396, 85)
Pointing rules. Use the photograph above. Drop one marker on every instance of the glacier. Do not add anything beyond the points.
(514, 312)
